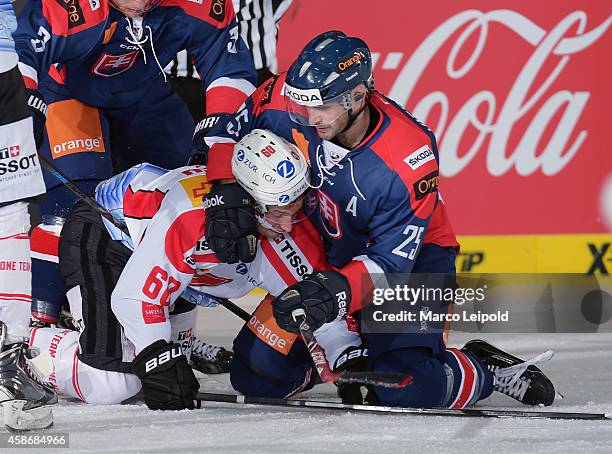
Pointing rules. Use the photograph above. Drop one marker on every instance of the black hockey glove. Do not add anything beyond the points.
(354, 359)
(324, 296)
(167, 380)
(199, 148)
(231, 229)
(38, 109)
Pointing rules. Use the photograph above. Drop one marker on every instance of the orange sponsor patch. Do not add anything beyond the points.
(263, 325)
(74, 127)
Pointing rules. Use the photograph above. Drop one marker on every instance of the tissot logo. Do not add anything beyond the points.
(9, 152)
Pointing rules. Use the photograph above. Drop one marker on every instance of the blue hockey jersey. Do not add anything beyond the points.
(377, 203)
(107, 60)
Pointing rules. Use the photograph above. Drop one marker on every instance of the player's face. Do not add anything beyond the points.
(132, 8)
(282, 218)
(328, 120)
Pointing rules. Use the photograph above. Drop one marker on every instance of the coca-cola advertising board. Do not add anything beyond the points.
(518, 94)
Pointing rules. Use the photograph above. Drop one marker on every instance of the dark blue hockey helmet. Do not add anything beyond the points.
(326, 71)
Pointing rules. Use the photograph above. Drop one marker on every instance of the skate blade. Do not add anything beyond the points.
(16, 419)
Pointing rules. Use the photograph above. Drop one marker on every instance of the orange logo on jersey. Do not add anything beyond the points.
(263, 325)
(196, 187)
(74, 127)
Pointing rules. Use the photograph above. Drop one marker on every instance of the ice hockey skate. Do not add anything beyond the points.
(210, 359)
(514, 377)
(25, 398)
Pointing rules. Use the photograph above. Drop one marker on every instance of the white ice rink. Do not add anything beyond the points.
(581, 370)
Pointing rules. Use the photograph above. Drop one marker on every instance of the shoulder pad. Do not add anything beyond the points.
(218, 13)
(69, 17)
(269, 95)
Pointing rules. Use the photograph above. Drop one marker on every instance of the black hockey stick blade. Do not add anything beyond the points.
(466, 412)
(382, 379)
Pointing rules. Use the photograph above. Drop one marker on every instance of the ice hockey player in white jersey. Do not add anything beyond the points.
(134, 329)
(25, 401)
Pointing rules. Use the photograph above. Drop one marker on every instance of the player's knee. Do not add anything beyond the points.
(259, 370)
(429, 385)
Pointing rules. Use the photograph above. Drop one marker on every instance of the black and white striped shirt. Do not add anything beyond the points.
(258, 24)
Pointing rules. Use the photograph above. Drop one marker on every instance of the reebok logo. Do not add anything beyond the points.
(213, 201)
(341, 298)
(419, 157)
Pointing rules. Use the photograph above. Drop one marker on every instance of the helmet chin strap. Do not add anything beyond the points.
(353, 116)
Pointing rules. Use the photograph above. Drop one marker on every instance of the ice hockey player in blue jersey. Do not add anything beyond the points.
(98, 66)
(379, 210)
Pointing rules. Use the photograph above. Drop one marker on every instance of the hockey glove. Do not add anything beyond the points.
(324, 296)
(38, 109)
(354, 359)
(199, 148)
(168, 383)
(231, 229)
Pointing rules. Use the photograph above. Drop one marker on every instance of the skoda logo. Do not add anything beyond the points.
(240, 155)
(285, 169)
(283, 198)
(242, 268)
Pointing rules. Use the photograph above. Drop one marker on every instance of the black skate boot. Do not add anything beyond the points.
(516, 378)
(25, 398)
(210, 359)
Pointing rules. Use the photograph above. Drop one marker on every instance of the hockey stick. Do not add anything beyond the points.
(466, 412)
(82, 195)
(232, 307)
(382, 379)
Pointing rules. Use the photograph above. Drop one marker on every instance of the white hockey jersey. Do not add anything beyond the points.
(164, 215)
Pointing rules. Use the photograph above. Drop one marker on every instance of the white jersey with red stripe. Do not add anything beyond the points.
(164, 215)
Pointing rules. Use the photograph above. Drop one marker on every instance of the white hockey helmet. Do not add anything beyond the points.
(272, 170)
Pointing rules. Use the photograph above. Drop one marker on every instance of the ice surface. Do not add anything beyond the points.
(581, 370)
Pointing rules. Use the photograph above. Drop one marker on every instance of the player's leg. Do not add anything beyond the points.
(15, 269)
(80, 150)
(446, 378)
(58, 361)
(25, 401)
(268, 361)
(91, 263)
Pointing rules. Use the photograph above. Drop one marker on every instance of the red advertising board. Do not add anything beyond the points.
(517, 92)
